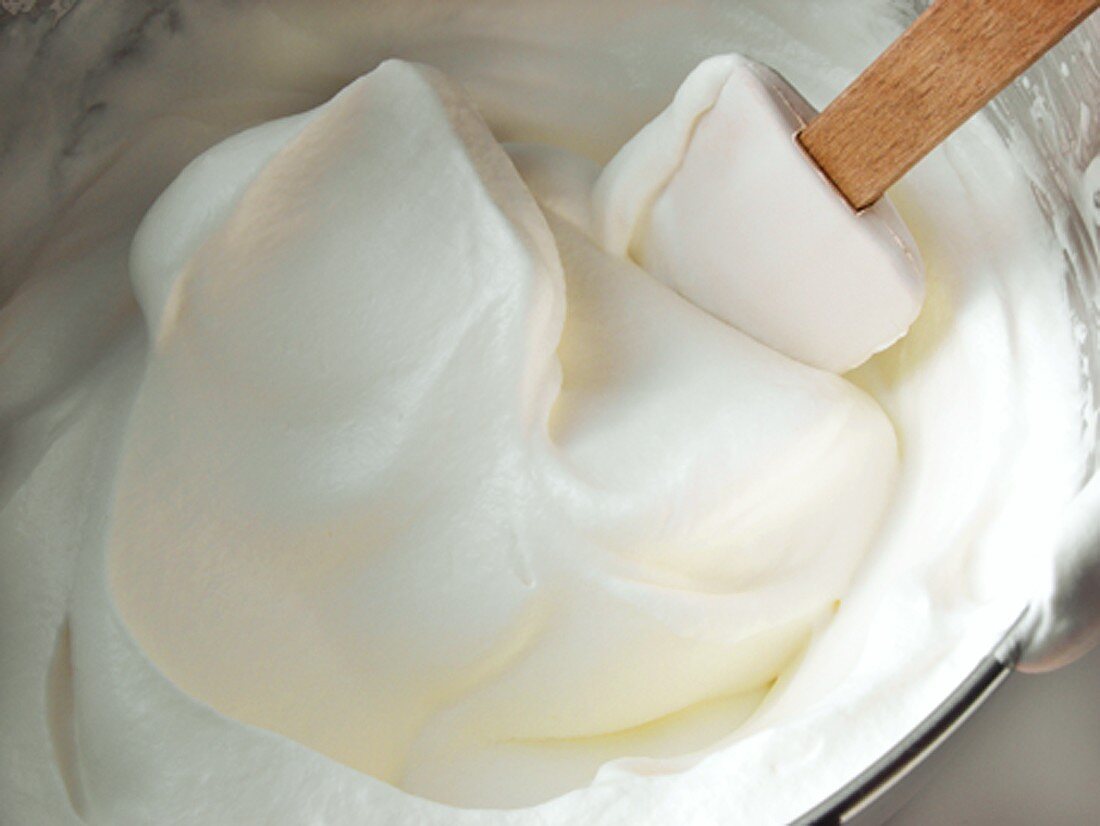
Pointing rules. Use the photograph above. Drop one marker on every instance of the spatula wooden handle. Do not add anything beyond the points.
(952, 61)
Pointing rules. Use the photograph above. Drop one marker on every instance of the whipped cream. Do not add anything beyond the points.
(374, 497)
(442, 508)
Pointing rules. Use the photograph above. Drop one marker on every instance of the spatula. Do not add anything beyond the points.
(951, 62)
(770, 216)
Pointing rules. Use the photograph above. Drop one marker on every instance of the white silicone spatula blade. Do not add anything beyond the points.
(716, 198)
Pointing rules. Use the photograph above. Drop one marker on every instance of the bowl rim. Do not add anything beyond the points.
(886, 774)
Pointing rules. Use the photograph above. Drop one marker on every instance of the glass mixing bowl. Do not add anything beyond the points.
(1049, 116)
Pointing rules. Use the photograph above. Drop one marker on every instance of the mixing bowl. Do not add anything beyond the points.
(1048, 118)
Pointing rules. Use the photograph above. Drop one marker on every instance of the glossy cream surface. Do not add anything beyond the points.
(372, 478)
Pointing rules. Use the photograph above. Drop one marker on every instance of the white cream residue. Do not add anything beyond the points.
(409, 496)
